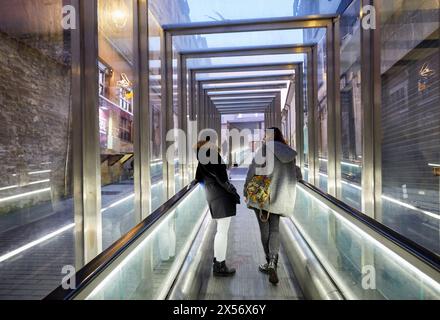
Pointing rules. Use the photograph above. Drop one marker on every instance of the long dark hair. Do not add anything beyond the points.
(277, 135)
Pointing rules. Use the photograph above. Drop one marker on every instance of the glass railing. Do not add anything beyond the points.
(365, 259)
(144, 263)
(417, 224)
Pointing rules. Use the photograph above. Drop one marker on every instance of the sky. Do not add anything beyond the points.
(206, 10)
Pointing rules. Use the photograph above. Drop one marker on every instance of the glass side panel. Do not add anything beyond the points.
(116, 117)
(410, 119)
(351, 112)
(361, 266)
(306, 118)
(177, 122)
(322, 112)
(148, 271)
(156, 120)
(37, 237)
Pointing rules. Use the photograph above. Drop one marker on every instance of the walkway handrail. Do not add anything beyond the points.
(427, 256)
(91, 270)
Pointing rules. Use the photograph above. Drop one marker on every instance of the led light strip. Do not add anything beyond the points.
(403, 204)
(38, 182)
(342, 162)
(394, 256)
(10, 187)
(57, 232)
(39, 172)
(36, 242)
(134, 252)
(351, 185)
(21, 195)
(114, 204)
(29, 184)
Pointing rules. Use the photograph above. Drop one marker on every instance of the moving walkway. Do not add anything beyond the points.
(329, 251)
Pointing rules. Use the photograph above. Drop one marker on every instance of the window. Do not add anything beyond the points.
(125, 129)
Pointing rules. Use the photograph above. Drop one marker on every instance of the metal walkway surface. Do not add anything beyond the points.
(245, 253)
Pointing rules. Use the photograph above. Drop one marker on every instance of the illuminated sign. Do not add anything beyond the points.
(425, 71)
(124, 82)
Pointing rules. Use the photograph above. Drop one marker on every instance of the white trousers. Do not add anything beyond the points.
(221, 239)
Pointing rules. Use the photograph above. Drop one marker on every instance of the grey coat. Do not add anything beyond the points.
(283, 177)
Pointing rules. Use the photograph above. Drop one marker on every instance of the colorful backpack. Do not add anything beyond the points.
(257, 191)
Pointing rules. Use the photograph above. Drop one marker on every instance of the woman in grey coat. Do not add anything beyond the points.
(276, 160)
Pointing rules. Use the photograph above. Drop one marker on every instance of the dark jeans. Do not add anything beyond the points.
(270, 233)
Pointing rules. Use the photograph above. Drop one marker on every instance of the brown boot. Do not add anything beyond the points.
(272, 270)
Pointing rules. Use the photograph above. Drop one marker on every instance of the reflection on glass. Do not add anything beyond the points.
(411, 120)
(258, 59)
(218, 10)
(348, 253)
(177, 112)
(149, 270)
(254, 73)
(155, 87)
(36, 182)
(322, 111)
(242, 39)
(306, 119)
(351, 112)
(116, 74)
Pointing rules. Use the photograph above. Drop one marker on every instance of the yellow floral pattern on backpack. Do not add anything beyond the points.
(257, 190)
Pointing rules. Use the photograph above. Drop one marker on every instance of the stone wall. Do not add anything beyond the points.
(34, 112)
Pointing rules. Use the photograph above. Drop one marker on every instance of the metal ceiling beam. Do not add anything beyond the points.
(241, 112)
(243, 107)
(247, 51)
(241, 101)
(248, 87)
(243, 95)
(246, 67)
(247, 79)
(249, 25)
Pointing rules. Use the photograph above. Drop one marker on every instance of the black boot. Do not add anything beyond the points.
(264, 267)
(272, 270)
(221, 270)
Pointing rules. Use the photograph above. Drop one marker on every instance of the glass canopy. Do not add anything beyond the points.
(189, 11)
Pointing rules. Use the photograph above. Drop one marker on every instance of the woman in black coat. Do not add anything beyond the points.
(222, 198)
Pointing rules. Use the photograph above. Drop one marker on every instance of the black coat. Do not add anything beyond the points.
(219, 191)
